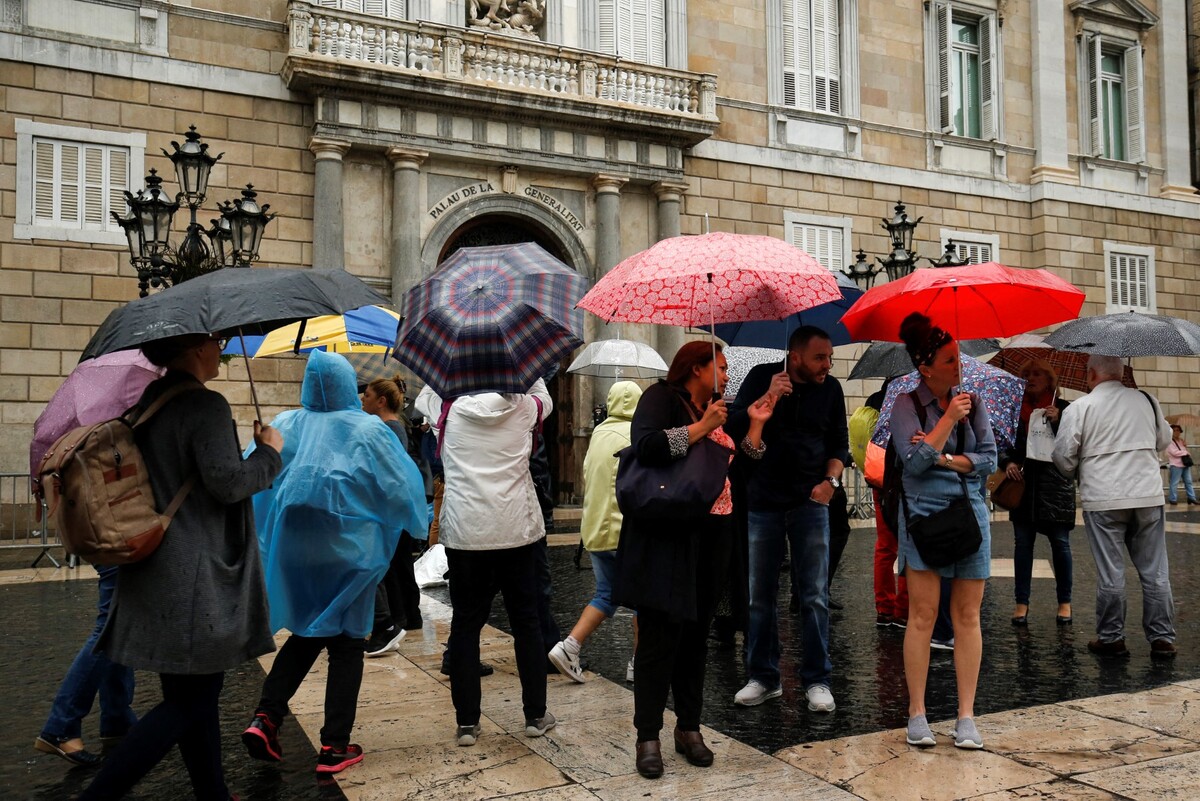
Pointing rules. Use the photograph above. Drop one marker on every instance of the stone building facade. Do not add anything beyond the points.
(386, 134)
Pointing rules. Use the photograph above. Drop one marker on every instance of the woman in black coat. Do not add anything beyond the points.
(1048, 502)
(671, 571)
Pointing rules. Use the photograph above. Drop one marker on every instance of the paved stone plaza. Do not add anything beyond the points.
(1058, 723)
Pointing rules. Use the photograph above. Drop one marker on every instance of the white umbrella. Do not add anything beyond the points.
(618, 358)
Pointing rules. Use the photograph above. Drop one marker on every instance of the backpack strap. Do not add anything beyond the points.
(137, 416)
(441, 426)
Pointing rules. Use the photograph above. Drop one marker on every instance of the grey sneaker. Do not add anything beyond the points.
(966, 735)
(819, 698)
(567, 663)
(467, 735)
(754, 693)
(539, 726)
(919, 732)
(942, 645)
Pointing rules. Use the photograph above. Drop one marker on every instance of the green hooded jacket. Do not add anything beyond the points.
(601, 525)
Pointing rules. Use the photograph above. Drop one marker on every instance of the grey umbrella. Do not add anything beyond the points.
(1128, 334)
(890, 359)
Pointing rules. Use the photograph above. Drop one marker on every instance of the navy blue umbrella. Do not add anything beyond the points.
(775, 333)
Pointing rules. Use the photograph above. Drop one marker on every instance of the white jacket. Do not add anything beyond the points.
(490, 502)
(1110, 438)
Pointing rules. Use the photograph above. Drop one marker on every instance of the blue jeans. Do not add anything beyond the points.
(806, 529)
(91, 673)
(604, 568)
(1173, 475)
(1059, 535)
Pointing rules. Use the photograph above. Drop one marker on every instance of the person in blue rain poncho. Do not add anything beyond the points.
(328, 529)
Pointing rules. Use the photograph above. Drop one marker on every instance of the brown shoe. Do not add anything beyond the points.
(691, 745)
(1163, 649)
(1114, 648)
(649, 759)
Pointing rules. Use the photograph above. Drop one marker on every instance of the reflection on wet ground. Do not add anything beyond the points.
(46, 622)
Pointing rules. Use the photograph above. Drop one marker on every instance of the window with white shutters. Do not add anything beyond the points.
(966, 68)
(974, 246)
(634, 29)
(76, 185)
(825, 243)
(1112, 83)
(1129, 278)
(392, 9)
(812, 55)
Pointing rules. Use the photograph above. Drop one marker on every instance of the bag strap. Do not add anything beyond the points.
(960, 435)
(441, 426)
(137, 416)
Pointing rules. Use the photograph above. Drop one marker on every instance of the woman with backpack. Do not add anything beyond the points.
(196, 606)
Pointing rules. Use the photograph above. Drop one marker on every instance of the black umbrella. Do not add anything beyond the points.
(1128, 334)
(235, 301)
(890, 359)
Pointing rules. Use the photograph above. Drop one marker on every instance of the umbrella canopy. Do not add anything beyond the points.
(96, 390)
(1069, 366)
(253, 300)
(618, 358)
(491, 319)
(979, 300)
(369, 329)
(741, 359)
(774, 333)
(712, 278)
(1129, 334)
(890, 359)
(999, 391)
(1185, 420)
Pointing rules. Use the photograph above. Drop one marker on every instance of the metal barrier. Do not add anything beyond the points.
(20, 526)
(862, 502)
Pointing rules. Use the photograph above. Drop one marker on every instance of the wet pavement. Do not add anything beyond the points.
(1046, 664)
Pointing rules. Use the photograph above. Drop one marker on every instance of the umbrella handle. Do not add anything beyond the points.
(249, 375)
(712, 331)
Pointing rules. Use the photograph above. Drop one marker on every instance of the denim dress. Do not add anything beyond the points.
(929, 488)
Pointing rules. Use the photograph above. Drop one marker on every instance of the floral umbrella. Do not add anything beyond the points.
(1000, 392)
(1069, 366)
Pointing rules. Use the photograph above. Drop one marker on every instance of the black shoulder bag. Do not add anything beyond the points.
(949, 534)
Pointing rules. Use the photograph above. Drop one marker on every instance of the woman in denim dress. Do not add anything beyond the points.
(931, 476)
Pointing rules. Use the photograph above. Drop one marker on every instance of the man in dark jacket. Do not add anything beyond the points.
(789, 493)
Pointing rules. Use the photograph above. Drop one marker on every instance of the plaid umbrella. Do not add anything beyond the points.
(890, 359)
(1069, 366)
(491, 319)
(1129, 334)
(999, 391)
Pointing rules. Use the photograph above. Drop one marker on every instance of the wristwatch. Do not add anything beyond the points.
(834, 481)
(948, 459)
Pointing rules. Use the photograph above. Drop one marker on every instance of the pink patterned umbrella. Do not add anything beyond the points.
(712, 278)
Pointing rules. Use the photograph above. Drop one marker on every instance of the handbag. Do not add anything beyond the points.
(1186, 459)
(949, 534)
(1005, 492)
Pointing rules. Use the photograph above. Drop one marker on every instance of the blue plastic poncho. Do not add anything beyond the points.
(330, 524)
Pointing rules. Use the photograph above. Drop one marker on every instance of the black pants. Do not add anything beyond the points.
(839, 528)
(550, 632)
(475, 577)
(292, 664)
(398, 598)
(188, 715)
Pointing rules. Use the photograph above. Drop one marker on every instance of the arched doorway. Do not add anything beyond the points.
(503, 229)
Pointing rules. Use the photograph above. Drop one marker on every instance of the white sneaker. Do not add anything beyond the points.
(754, 693)
(942, 645)
(629, 671)
(567, 662)
(819, 698)
(385, 642)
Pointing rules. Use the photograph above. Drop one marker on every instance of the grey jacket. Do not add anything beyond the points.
(198, 604)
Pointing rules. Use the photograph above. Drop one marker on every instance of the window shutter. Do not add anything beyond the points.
(397, 9)
(352, 5)
(118, 182)
(826, 56)
(330, 3)
(376, 7)
(44, 182)
(822, 242)
(1092, 54)
(656, 47)
(987, 79)
(624, 21)
(1135, 144)
(789, 52)
(941, 32)
(93, 187)
(797, 54)
(608, 26)
(68, 208)
(1141, 268)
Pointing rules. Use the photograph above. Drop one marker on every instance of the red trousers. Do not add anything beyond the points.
(891, 591)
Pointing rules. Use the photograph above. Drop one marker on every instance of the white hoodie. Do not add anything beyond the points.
(490, 502)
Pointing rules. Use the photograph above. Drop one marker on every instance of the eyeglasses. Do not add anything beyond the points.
(221, 341)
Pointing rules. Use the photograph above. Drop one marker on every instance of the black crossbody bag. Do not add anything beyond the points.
(947, 535)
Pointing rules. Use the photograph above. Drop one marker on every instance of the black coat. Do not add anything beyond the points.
(674, 566)
(1049, 496)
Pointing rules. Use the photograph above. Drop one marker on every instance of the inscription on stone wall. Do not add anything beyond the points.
(555, 205)
(460, 195)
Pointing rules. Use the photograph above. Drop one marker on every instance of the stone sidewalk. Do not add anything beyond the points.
(1142, 745)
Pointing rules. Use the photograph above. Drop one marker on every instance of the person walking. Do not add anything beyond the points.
(1110, 440)
(490, 524)
(671, 571)
(600, 527)
(789, 495)
(1048, 500)
(1177, 451)
(196, 606)
(945, 445)
(328, 529)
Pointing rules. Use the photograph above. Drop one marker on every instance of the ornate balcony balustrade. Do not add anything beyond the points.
(465, 67)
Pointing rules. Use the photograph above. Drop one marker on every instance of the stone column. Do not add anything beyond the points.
(329, 228)
(1176, 146)
(1050, 95)
(669, 338)
(405, 257)
(608, 254)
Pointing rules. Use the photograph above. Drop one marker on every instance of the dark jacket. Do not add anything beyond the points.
(666, 564)
(1049, 496)
(198, 604)
(806, 430)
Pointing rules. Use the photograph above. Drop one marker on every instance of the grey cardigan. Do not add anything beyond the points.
(198, 604)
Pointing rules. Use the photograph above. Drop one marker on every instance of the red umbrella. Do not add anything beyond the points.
(712, 278)
(972, 302)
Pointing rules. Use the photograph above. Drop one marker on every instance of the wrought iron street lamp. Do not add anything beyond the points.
(901, 260)
(950, 257)
(233, 240)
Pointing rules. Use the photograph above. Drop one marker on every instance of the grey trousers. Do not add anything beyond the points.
(1142, 531)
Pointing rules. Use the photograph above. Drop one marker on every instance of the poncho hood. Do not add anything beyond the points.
(330, 384)
(623, 398)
